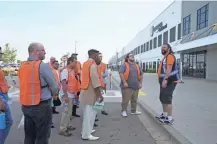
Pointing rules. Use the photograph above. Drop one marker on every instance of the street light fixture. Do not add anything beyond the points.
(75, 46)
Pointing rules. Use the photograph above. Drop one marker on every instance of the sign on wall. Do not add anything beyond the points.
(157, 28)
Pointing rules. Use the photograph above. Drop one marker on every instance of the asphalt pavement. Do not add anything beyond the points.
(113, 129)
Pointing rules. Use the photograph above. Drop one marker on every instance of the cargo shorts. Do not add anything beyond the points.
(166, 94)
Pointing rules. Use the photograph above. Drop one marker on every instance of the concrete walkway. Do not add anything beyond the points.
(113, 129)
(194, 107)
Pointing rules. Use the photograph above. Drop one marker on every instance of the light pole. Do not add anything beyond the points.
(75, 46)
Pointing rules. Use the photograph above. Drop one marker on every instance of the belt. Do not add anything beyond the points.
(45, 101)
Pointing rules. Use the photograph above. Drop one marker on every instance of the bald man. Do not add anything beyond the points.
(52, 59)
(37, 116)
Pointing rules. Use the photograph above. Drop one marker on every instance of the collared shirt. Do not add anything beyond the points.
(46, 78)
(64, 76)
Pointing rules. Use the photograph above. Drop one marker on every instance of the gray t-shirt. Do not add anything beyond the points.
(132, 81)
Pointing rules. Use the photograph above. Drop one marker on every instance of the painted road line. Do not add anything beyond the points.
(141, 93)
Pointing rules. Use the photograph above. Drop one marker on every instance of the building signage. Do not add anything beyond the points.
(158, 28)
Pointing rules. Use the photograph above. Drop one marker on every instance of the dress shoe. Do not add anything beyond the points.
(104, 112)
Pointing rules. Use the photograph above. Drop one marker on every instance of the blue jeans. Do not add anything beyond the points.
(9, 122)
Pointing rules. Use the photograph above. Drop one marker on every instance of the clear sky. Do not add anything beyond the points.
(101, 25)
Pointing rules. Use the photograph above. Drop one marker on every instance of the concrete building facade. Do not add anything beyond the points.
(190, 28)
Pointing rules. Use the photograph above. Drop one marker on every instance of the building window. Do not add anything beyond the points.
(147, 46)
(194, 64)
(144, 47)
(186, 25)
(202, 17)
(141, 48)
(179, 31)
(173, 34)
(135, 52)
(138, 50)
(155, 42)
(150, 65)
(150, 44)
(159, 40)
(165, 38)
(146, 66)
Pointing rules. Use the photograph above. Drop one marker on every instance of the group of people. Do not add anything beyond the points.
(42, 85)
(131, 82)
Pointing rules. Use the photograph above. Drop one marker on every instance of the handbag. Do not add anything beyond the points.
(57, 102)
(98, 105)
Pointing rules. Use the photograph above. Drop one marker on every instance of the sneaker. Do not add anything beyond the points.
(76, 115)
(93, 131)
(104, 112)
(124, 114)
(161, 116)
(71, 128)
(65, 133)
(95, 125)
(136, 113)
(168, 122)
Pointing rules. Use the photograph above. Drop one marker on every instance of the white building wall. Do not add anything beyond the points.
(211, 69)
(170, 16)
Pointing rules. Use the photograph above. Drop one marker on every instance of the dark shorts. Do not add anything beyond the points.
(166, 94)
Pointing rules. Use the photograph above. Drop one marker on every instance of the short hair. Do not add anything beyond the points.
(74, 54)
(55, 61)
(32, 47)
(92, 52)
(70, 59)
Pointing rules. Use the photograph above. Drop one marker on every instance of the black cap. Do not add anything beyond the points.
(74, 54)
(92, 51)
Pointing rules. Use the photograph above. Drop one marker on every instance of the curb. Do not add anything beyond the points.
(174, 134)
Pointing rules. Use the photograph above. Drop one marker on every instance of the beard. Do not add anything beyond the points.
(163, 52)
(132, 61)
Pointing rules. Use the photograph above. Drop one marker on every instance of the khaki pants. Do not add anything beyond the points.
(66, 115)
(129, 95)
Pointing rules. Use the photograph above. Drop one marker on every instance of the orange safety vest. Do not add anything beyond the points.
(3, 83)
(85, 80)
(103, 67)
(30, 85)
(57, 77)
(78, 68)
(72, 81)
(127, 72)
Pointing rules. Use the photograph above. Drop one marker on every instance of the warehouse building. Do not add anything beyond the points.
(190, 28)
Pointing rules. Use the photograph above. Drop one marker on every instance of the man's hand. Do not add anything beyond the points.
(66, 99)
(164, 84)
(55, 97)
(125, 85)
(140, 85)
(76, 96)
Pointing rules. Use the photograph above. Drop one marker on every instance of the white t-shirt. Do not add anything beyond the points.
(64, 76)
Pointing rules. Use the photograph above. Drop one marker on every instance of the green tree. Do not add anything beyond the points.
(19, 61)
(9, 54)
